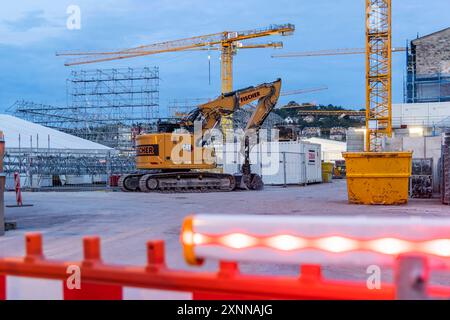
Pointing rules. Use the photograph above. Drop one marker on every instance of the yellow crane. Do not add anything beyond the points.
(303, 91)
(378, 73)
(331, 113)
(182, 110)
(378, 70)
(330, 52)
(228, 42)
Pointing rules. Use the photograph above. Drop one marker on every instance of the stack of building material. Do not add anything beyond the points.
(446, 167)
(422, 178)
(355, 140)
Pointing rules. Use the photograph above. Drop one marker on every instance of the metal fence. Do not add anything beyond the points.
(55, 169)
(445, 167)
(86, 170)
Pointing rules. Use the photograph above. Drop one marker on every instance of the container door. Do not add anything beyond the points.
(313, 164)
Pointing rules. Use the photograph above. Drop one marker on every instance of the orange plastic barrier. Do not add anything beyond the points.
(35, 277)
(114, 180)
(17, 189)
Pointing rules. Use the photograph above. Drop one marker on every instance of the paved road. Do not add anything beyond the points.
(125, 221)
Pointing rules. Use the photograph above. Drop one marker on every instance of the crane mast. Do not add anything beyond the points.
(378, 70)
(378, 73)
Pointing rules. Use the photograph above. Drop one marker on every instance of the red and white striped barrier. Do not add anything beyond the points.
(27, 288)
(35, 277)
(17, 189)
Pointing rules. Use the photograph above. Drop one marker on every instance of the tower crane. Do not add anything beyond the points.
(330, 52)
(228, 42)
(303, 91)
(378, 70)
(378, 73)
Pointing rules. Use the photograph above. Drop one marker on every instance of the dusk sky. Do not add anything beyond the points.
(31, 31)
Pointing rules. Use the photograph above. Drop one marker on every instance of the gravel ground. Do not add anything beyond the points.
(125, 221)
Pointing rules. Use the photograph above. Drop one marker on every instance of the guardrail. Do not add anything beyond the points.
(35, 277)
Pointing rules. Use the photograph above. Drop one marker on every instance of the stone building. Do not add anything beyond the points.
(428, 68)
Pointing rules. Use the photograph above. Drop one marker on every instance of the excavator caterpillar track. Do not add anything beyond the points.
(187, 182)
(129, 182)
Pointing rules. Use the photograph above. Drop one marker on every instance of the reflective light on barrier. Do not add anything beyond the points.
(188, 238)
(199, 239)
(309, 239)
(238, 241)
(391, 246)
(438, 247)
(336, 244)
(286, 243)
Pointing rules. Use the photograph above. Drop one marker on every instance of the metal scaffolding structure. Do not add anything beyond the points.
(423, 88)
(47, 115)
(52, 165)
(122, 96)
(178, 108)
(107, 106)
(60, 161)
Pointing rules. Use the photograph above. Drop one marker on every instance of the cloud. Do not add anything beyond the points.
(31, 31)
(30, 20)
(31, 25)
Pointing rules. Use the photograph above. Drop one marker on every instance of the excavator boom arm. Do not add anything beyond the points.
(267, 95)
(265, 105)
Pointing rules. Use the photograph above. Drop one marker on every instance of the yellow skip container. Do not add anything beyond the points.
(327, 172)
(378, 178)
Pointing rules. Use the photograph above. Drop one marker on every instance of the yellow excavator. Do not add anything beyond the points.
(174, 161)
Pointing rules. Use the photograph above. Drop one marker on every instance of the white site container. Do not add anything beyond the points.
(313, 162)
(10, 185)
(299, 163)
(279, 163)
(77, 180)
(99, 178)
(39, 181)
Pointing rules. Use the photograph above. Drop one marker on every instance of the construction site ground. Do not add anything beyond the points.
(125, 221)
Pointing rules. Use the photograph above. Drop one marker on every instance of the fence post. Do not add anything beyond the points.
(284, 169)
(29, 173)
(305, 168)
(412, 276)
(108, 171)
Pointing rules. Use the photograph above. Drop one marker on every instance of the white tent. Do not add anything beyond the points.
(28, 135)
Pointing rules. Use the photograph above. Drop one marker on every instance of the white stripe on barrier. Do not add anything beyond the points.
(154, 294)
(24, 288)
(359, 227)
